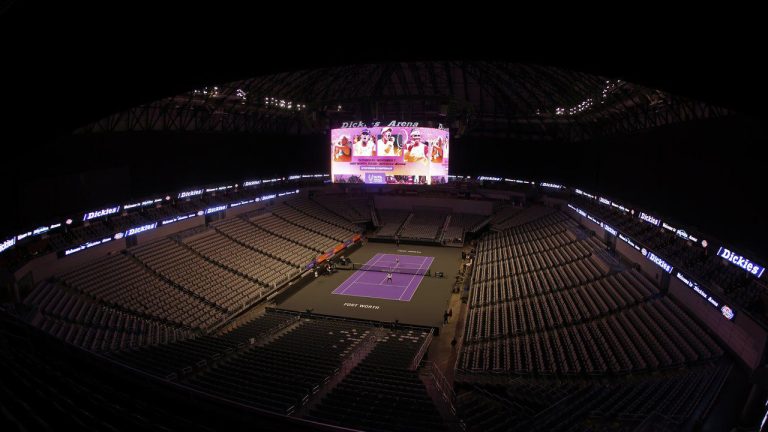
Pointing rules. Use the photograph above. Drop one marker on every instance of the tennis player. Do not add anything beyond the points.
(365, 146)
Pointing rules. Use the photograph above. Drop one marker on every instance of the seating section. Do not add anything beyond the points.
(742, 290)
(209, 282)
(586, 337)
(82, 322)
(128, 221)
(509, 217)
(311, 208)
(502, 408)
(260, 328)
(48, 391)
(294, 233)
(195, 281)
(122, 282)
(176, 358)
(506, 310)
(640, 338)
(281, 375)
(425, 224)
(95, 229)
(265, 242)
(460, 223)
(541, 303)
(311, 216)
(255, 264)
(380, 393)
(352, 208)
(391, 221)
(659, 403)
(501, 215)
(160, 213)
(179, 358)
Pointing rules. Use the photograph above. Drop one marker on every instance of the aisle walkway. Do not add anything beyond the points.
(440, 350)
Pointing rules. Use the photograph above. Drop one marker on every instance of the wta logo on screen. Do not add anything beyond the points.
(392, 153)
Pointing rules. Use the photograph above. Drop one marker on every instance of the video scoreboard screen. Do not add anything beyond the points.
(389, 155)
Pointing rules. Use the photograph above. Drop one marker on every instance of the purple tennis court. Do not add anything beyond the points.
(374, 284)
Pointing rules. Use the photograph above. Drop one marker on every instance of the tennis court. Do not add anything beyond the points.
(407, 273)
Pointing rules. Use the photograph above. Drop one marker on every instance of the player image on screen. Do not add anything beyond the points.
(438, 150)
(342, 151)
(416, 150)
(364, 146)
(386, 145)
(389, 154)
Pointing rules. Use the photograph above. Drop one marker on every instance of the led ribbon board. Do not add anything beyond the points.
(191, 193)
(215, 209)
(7, 244)
(552, 185)
(140, 229)
(620, 207)
(142, 204)
(650, 219)
(581, 192)
(288, 193)
(40, 230)
(725, 310)
(244, 202)
(220, 188)
(517, 181)
(578, 210)
(86, 246)
(657, 260)
(101, 213)
(178, 218)
(610, 229)
(741, 261)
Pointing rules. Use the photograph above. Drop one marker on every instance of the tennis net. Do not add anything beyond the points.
(421, 271)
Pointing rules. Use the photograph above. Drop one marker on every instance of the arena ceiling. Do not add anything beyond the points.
(122, 67)
(475, 98)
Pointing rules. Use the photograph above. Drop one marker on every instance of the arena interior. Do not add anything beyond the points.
(232, 255)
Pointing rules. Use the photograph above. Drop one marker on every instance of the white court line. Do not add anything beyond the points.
(409, 282)
(388, 264)
(371, 297)
(380, 283)
(407, 268)
(358, 277)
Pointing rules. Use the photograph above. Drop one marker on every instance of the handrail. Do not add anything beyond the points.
(420, 354)
(448, 396)
(441, 381)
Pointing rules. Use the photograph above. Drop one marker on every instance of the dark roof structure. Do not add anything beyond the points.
(484, 99)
